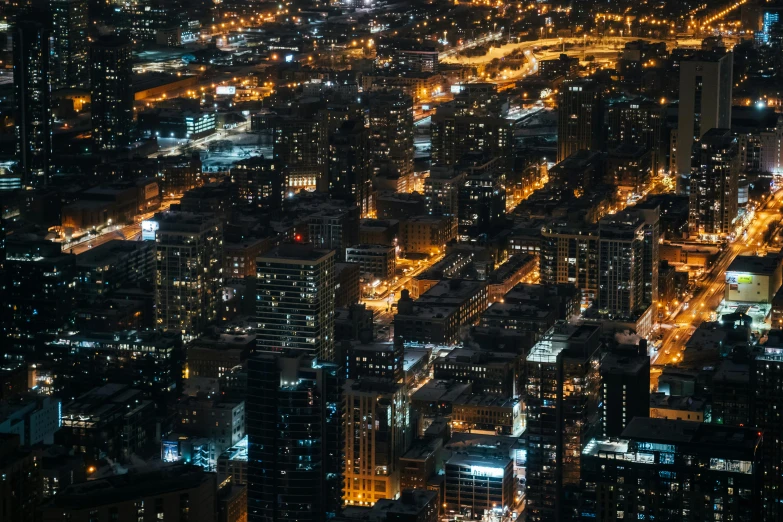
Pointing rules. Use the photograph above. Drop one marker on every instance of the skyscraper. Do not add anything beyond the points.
(377, 433)
(714, 185)
(580, 118)
(69, 54)
(348, 170)
(625, 389)
(294, 445)
(766, 383)
(705, 103)
(390, 115)
(637, 122)
(111, 93)
(295, 300)
(189, 251)
(620, 263)
(569, 254)
(32, 89)
(562, 413)
(442, 189)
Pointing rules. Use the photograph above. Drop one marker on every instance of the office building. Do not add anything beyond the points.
(704, 103)
(377, 433)
(714, 180)
(178, 493)
(33, 108)
(189, 249)
(580, 118)
(625, 389)
(477, 486)
(562, 415)
(663, 469)
(295, 300)
(111, 93)
(294, 412)
(70, 51)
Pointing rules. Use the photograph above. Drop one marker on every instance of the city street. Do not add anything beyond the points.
(709, 293)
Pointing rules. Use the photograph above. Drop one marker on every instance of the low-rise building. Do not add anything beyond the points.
(425, 234)
(163, 494)
(438, 314)
(488, 413)
(477, 485)
(753, 279)
(677, 407)
(376, 260)
(489, 372)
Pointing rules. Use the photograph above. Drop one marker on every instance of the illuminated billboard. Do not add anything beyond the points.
(148, 229)
(734, 278)
(485, 471)
(228, 90)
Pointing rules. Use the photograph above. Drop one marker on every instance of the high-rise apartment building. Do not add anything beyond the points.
(377, 433)
(620, 263)
(455, 136)
(580, 118)
(441, 190)
(295, 300)
(294, 445)
(663, 469)
(297, 145)
(714, 184)
(766, 384)
(390, 117)
(70, 51)
(482, 202)
(569, 254)
(625, 389)
(111, 91)
(705, 103)
(348, 168)
(32, 91)
(189, 259)
(562, 413)
(637, 122)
